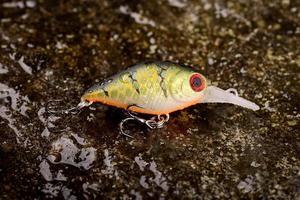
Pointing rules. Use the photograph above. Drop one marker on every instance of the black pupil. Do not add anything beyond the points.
(196, 82)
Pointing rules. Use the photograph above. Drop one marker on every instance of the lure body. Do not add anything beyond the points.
(158, 88)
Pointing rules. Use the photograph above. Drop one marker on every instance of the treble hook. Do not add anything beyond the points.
(53, 111)
(154, 122)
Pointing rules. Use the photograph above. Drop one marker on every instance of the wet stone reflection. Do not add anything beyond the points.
(64, 151)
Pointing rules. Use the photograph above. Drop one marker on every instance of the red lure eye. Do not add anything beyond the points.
(197, 82)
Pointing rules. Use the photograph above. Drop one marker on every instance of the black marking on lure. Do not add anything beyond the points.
(106, 81)
(103, 83)
(162, 82)
(169, 64)
(163, 64)
(134, 81)
(99, 85)
(105, 92)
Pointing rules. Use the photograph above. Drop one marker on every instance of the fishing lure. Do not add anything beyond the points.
(158, 88)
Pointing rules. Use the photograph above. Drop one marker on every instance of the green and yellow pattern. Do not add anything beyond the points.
(150, 87)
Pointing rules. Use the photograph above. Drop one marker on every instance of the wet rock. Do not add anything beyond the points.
(6, 148)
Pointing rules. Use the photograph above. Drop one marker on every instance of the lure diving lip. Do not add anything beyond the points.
(214, 94)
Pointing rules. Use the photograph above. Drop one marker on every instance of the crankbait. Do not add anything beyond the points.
(158, 88)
